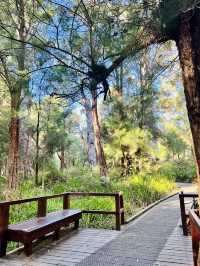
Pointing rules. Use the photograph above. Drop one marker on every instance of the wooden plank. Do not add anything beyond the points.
(72, 247)
(36, 223)
(99, 212)
(103, 194)
(177, 250)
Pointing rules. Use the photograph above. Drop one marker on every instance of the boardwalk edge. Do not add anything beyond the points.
(143, 211)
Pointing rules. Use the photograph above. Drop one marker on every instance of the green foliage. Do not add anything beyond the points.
(4, 122)
(175, 143)
(181, 171)
(2, 186)
(144, 130)
(96, 221)
(140, 146)
(86, 183)
(54, 126)
(143, 190)
(50, 173)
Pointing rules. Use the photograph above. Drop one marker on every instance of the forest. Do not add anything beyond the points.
(92, 96)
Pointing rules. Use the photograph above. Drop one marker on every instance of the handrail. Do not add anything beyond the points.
(42, 205)
(21, 201)
(184, 216)
(194, 219)
(190, 195)
(195, 231)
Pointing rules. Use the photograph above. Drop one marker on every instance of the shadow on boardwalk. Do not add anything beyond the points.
(153, 239)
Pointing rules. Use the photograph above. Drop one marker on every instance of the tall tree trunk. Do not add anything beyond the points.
(91, 149)
(188, 42)
(13, 165)
(143, 88)
(97, 129)
(26, 163)
(37, 149)
(24, 145)
(62, 158)
(13, 153)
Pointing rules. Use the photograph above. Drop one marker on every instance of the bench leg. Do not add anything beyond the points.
(56, 234)
(76, 224)
(3, 246)
(28, 249)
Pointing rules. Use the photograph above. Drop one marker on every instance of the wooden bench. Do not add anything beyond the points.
(28, 231)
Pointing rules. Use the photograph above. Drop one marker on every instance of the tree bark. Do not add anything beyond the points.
(37, 149)
(189, 53)
(143, 88)
(13, 153)
(97, 129)
(27, 165)
(91, 149)
(62, 158)
(25, 145)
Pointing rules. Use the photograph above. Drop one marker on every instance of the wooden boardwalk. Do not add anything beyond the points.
(145, 241)
(155, 238)
(177, 250)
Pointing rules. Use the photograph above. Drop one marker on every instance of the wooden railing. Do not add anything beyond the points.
(184, 215)
(42, 206)
(195, 231)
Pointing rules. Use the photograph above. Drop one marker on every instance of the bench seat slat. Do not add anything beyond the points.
(40, 222)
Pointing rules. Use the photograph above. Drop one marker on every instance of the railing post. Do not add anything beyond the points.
(66, 202)
(122, 209)
(4, 221)
(117, 210)
(42, 207)
(183, 214)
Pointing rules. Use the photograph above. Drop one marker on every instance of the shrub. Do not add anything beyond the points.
(181, 171)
